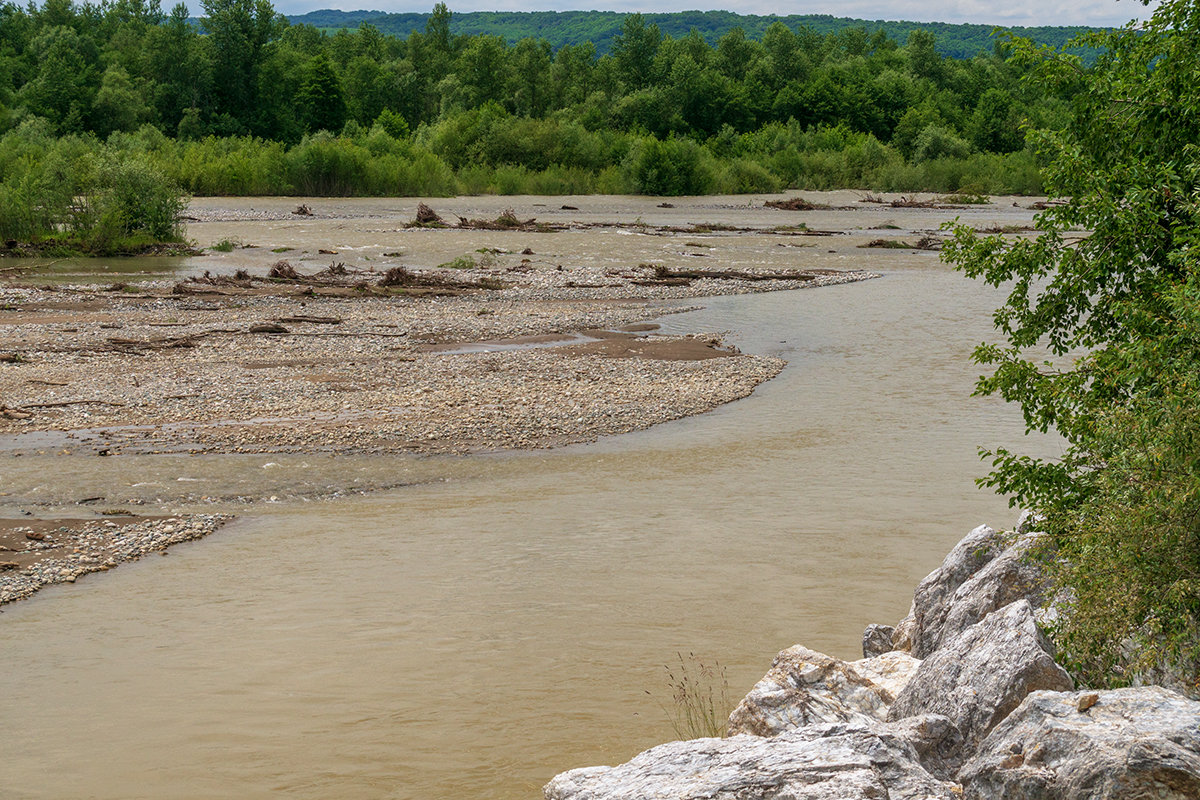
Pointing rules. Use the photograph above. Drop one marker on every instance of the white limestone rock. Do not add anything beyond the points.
(931, 600)
(983, 674)
(1108, 745)
(834, 761)
(805, 687)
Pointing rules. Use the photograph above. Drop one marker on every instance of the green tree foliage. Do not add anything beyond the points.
(563, 28)
(634, 50)
(467, 100)
(320, 101)
(82, 196)
(65, 79)
(1123, 501)
(673, 167)
(119, 105)
(239, 32)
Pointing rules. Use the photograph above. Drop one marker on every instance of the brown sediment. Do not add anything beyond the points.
(35, 553)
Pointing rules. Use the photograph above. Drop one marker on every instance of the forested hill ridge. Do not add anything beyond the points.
(561, 28)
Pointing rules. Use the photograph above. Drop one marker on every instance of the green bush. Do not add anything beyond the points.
(742, 176)
(671, 167)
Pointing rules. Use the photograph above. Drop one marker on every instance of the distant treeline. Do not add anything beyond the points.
(248, 103)
(602, 27)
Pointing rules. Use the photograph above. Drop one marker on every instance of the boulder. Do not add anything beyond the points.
(983, 674)
(805, 687)
(1013, 575)
(936, 740)
(932, 597)
(979, 576)
(832, 761)
(1110, 745)
(877, 640)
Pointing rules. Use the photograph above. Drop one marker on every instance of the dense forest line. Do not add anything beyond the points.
(956, 40)
(247, 103)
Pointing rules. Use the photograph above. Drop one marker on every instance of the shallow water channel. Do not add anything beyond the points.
(497, 619)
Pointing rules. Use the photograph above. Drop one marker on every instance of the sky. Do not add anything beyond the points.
(1010, 12)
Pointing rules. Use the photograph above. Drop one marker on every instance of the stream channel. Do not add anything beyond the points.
(499, 618)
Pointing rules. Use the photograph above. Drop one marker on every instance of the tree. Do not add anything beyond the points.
(321, 103)
(995, 125)
(634, 49)
(530, 77)
(65, 83)
(119, 105)
(1100, 345)
(238, 34)
(437, 29)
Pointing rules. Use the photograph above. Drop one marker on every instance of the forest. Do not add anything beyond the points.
(957, 40)
(245, 103)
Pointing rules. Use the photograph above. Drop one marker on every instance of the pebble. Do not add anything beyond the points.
(364, 393)
(100, 548)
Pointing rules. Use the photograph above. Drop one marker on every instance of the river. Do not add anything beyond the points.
(496, 619)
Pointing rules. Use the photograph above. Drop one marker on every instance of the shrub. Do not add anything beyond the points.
(671, 167)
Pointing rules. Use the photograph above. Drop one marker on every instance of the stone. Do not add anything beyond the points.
(983, 674)
(891, 671)
(805, 687)
(936, 740)
(931, 600)
(877, 640)
(1127, 743)
(1013, 575)
(831, 761)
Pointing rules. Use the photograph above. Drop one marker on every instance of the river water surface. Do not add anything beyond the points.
(497, 619)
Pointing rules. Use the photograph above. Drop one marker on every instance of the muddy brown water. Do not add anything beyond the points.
(493, 620)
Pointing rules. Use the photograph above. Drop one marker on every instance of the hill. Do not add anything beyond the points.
(599, 27)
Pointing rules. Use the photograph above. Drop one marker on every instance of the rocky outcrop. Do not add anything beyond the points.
(1111, 745)
(828, 761)
(805, 687)
(932, 596)
(983, 674)
(1013, 575)
(979, 576)
(987, 714)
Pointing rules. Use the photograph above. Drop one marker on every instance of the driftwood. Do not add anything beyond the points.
(163, 343)
(800, 204)
(282, 269)
(427, 216)
(312, 320)
(924, 243)
(665, 276)
(62, 403)
(911, 201)
(507, 221)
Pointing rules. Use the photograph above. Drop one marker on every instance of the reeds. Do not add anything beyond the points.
(700, 700)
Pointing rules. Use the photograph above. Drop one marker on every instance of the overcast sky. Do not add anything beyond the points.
(991, 12)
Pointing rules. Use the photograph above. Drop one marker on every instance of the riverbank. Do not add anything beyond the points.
(317, 630)
(501, 350)
(962, 698)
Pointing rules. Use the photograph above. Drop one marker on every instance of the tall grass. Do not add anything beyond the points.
(700, 702)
